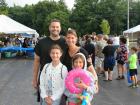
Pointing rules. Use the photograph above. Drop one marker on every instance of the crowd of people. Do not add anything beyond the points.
(16, 40)
(56, 56)
(13, 43)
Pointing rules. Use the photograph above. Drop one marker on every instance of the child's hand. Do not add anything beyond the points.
(82, 85)
(119, 50)
(80, 97)
(48, 100)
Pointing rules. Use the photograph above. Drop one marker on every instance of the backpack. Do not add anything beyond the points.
(61, 70)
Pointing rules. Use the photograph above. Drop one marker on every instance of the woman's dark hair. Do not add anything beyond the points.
(78, 56)
(109, 41)
(88, 41)
(72, 31)
(123, 40)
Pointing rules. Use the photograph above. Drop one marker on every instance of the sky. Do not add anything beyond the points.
(69, 3)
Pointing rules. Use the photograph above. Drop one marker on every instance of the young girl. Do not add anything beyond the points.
(133, 67)
(52, 78)
(79, 61)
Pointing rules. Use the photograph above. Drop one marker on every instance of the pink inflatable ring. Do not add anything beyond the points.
(76, 74)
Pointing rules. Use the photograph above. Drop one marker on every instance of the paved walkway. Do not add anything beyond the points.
(15, 87)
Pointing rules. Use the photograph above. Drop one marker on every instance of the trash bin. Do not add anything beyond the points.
(7, 54)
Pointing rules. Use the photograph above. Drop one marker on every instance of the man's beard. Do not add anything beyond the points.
(55, 34)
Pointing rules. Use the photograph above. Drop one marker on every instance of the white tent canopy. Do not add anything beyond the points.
(132, 30)
(8, 25)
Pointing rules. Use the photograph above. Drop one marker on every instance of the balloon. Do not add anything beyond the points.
(72, 76)
(86, 99)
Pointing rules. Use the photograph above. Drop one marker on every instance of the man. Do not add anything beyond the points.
(42, 50)
(101, 43)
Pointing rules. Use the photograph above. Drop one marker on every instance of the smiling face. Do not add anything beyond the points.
(78, 63)
(71, 39)
(55, 29)
(55, 55)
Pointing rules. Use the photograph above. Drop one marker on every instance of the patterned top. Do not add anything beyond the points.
(51, 83)
(123, 54)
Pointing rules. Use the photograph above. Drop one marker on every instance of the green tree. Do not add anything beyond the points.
(88, 14)
(23, 15)
(3, 7)
(83, 18)
(42, 10)
(134, 13)
(2, 3)
(105, 27)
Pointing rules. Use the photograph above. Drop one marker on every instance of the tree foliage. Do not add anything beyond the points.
(86, 15)
(35, 16)
(3, 7)
(105, 27)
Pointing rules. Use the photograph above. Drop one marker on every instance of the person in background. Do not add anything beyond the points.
(25, 43)
(122, 57)
(133, 67)
(139, 62)
(109, 60)
(90, 48)
(17, 41)
(139, 55)
(100, 44)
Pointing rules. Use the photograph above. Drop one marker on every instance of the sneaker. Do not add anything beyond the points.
(109, 79)
(133, 86)
(105, 80)
(130, 85)
(137, 86)
(118, 78)
(123, 77)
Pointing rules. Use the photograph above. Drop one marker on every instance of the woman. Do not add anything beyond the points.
(109, 60)
(71, 40)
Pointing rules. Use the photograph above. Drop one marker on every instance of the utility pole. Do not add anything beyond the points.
(127, 14)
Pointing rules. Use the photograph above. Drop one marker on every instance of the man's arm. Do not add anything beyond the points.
(36, 70)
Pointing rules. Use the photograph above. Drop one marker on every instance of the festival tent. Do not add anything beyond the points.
(133, 34)
(10, 26)
(132, 30)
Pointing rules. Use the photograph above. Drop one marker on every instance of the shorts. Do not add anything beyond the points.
(120, 62)
(133, 72)
(108, 68)
(109, 63)
(98, 62)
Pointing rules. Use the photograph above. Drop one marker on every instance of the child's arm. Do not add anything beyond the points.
(93, 72)
(43, 83)
(95, 77)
